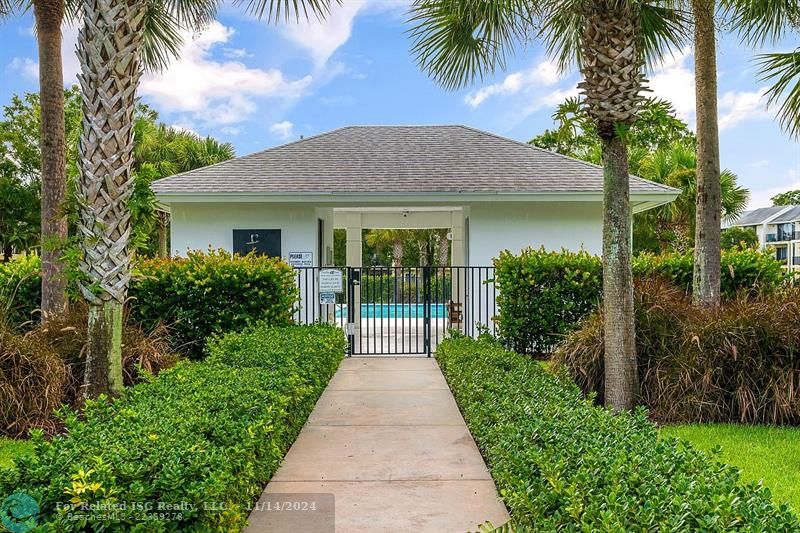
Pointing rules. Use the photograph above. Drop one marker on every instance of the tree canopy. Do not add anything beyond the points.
(161, 151)
(787, 198)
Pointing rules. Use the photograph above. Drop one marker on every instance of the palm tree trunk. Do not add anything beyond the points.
(109, 48)
(49, 16)
(621, 379)
(8, 251)
(707, 229)
(397, 252)
(162, 222)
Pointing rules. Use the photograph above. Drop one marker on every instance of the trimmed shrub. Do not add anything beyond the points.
(203, 437)
(739, 363)
(543, 295)
(208, 293)
(20, 290)
(561, 463)
(743, 270)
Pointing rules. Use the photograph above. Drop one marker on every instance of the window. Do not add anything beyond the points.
(263, 241)
(780, 253)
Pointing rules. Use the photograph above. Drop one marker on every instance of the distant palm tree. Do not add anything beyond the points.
(117, 38)
(676, 166)
(459, 41)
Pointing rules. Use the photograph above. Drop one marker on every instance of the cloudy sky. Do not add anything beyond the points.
(257, 85)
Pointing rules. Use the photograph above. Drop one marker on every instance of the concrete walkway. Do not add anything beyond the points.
(386, 439)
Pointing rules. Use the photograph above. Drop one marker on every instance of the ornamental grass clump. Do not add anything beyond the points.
(561, 463)
(739, 363)
(42, 368)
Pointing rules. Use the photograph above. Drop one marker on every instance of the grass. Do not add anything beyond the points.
(10, 449)
(763, 453)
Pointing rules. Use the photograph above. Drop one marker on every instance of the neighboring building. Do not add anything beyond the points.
(778, 229)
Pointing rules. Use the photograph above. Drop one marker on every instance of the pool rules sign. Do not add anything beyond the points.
(331, 282)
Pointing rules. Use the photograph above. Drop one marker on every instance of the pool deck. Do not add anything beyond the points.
(385, 450)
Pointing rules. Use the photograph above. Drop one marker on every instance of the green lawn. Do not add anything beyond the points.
(9, 449)
(763, 453)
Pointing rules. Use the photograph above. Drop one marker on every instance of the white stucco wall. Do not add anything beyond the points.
(196, 226)
(514, 226)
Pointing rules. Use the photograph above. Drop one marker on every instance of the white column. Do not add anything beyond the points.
(353, 256)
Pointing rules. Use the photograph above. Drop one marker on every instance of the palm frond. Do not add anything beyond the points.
(165, 23)
(9, 8)
(759, 22)
(277, 10)
(458, 41)
(734, 196)
(665, 30)
(782, 71)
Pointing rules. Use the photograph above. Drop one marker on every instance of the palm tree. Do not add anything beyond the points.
(117, 38)
(676, 165)
(49, 16)
(757, 21)
(162, 41)
(458, 41)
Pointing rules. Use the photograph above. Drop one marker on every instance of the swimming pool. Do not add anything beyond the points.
(395, 311)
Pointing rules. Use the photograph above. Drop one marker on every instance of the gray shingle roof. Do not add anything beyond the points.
(792, 215)
(398, 159)
(761, 215)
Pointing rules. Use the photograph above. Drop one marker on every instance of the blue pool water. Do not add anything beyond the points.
(395, 311)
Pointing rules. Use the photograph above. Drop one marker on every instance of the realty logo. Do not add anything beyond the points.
(19, 513)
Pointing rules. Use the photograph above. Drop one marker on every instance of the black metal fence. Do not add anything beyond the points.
(401, 310)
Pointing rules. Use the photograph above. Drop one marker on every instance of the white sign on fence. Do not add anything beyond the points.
(330, 280)
(327, 298)
(301, 259)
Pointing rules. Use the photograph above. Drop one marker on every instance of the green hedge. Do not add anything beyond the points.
(560, 463)
(543, 295)
(208, 293)
(208, 433)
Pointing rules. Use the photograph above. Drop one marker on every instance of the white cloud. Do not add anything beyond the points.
(736, 106)
(228, 130)
(543, 74)
(674, 81)
(216, 92)
(284, 130)
(25, 66)
(184, 127)
(323, 38)
(70, 65)
(761, 163)
(236, 53)
(763, 197)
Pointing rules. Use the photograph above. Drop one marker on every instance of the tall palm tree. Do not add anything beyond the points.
(757, 21)
(113, 46)
(459, 41)
(49, 16)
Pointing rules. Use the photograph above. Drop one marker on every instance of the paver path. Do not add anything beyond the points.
(387, 440)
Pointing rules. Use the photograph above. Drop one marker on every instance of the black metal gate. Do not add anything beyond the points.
(401, 310)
